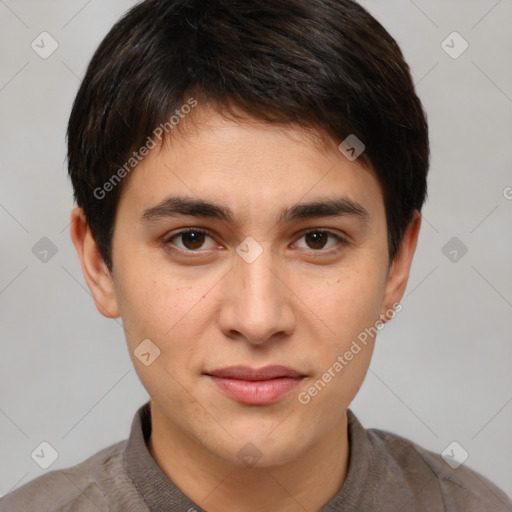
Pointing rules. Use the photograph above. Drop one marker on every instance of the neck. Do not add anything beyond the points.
(307, 482)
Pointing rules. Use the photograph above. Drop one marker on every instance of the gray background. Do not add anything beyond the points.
(442, 369)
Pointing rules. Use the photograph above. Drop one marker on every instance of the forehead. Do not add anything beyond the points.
(247, 163)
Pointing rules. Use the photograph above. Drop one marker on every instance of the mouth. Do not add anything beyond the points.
(256, 386)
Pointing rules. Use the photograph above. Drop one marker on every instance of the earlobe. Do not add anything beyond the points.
(96, 273)
(401, 266)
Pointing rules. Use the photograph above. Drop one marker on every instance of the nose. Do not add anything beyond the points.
(257, 301)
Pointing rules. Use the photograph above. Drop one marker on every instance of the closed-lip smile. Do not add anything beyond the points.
(256, 386)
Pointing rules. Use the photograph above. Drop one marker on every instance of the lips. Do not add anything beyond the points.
(256, 386)
(247, 373)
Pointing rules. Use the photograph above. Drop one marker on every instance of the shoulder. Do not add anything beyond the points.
(87, 486)
(430, 479)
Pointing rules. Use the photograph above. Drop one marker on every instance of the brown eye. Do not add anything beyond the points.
(318, 239)
(191, 240)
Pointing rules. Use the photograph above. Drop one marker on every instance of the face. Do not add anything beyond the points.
(228, 294)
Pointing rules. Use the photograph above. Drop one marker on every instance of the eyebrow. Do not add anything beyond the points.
(179, 205)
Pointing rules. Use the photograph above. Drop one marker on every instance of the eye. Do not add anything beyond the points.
(192, 239)
(317, 240)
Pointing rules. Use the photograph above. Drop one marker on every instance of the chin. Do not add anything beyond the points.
(260, 450)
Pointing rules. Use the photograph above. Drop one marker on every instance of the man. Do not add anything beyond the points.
(249, 178)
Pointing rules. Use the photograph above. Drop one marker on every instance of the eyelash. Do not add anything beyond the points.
(168, 245)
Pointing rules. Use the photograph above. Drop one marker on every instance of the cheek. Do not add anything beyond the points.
(345, 303)
(351, 309)
(349, 306)
(169, 308)
(163, 311)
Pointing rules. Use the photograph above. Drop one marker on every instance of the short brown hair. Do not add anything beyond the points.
(326, 64)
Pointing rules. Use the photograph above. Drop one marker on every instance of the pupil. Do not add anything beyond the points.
(317, 239)
(195, 238)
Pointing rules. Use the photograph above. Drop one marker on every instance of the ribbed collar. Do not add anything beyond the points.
(161, 495)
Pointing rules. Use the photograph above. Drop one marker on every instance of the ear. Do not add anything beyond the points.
(399, 271)
(96, 273)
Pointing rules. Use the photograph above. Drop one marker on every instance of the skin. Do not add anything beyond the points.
(301, 303)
